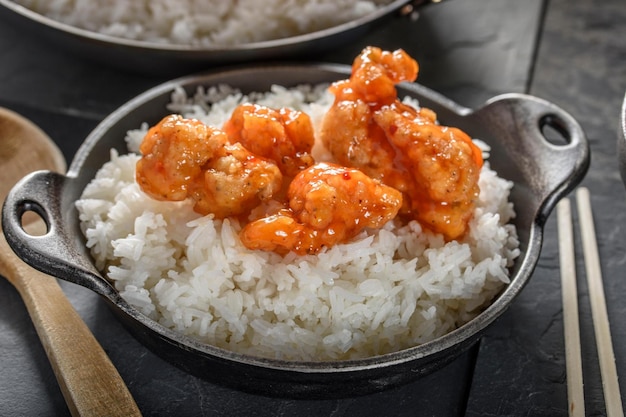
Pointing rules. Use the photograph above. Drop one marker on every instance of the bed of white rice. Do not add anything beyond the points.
(384, 291)
(206, 22)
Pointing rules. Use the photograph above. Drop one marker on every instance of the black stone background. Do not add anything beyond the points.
(570, 52)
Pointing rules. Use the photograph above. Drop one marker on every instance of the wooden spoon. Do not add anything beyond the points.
(90, 383)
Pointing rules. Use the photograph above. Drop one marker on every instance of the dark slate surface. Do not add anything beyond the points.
(469, 50)
(581, 66)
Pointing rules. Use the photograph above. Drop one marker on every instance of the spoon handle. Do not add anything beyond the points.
(89, 381)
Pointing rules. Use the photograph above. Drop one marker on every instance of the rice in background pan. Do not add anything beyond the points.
(384, 291)
(207, 23)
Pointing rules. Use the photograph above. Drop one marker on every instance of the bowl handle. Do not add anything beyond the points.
(547, 145)
(58, 251)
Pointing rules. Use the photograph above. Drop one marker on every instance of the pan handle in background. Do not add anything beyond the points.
(56, 252)
(540, 146)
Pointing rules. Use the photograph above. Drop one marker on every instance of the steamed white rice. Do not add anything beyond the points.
(384, 291)
(203, 22)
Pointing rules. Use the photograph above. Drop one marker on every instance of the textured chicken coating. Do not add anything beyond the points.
(184, 158)
(376, 72)
(327, 204)
(235, 183)
(349, 131)
(390, 159)
(368, 128)
(175, 152)
(443, 167)
(283, 135)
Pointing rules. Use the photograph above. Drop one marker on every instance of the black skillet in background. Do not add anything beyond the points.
(172, 60)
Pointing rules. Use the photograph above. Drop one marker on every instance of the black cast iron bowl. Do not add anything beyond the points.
(174, 60)
(513, 125)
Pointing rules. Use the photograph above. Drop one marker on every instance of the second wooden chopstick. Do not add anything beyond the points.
(569, 291)
(606, 356)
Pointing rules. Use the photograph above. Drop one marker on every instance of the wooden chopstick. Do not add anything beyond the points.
(606, 357)
(569, 291)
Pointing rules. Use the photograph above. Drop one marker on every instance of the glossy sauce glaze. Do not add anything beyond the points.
(389, 159)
